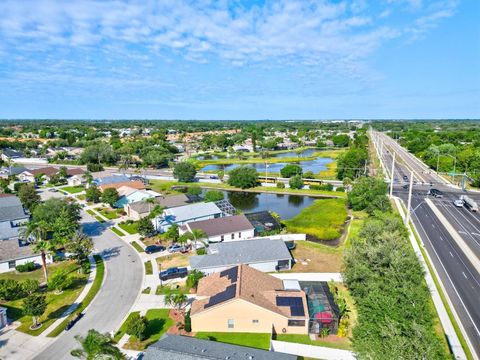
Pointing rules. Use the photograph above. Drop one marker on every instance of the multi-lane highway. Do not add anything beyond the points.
(455, 269)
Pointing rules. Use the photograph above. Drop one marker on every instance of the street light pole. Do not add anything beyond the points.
(391, 175)
(407, 218)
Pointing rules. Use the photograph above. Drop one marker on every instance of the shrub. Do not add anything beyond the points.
(290, 170)
(340, 189)
(94, 167)
(213, 195)
(280, 185)
(188, 322)
(296, 182)
(27, 267)
(10, 290)
(137, 326)
(193, 278)
(30, 286)
(243, 177)
(322, 187)
(194, 190)
(201, 251)
(309, 175)
(17, 186)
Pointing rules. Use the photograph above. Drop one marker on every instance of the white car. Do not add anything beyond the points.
(458, 203)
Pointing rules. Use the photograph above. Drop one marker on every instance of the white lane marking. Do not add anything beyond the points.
(462, 232)
(451, 254)
(476, 234)
(464, 275)
(433, 225)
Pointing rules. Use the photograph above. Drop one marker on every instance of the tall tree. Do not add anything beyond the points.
(110, 196)
(34, 305)
(184, 171)
(97, 346)
(28, 196)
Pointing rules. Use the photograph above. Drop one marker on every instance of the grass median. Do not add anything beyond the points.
(96, 285)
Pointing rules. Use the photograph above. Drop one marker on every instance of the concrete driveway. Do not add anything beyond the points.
(121, 287)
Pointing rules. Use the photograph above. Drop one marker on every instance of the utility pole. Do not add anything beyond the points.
(407, 218)
(391, 175)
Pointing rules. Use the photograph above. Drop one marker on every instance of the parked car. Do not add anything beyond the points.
(52, 190)
(435, 193)
(74, 321)
(154, 248)
(405, 177)
(215, 177)
(176, 248)
(173, 273)
(458, 203)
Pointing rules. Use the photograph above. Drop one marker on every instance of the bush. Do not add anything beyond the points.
(368, 193)
(309, 175)
(188, 322)
(60, 281)
(243, 177)
(322, 187)
(290, 170)
(17, 186)
(296, 182)
(136, 326)
(194, 190)
(184, 171)
(280, 185)
(11, 290)
(340, 189)
(213, 195)
(27, 267)
(201, 251)
(193, 278)
(94, 167)
(30, 286)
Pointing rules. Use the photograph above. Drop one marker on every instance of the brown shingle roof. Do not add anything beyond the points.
(75, 171)
(223, 225)
(133, 184)
(252, 285)
(48, 171)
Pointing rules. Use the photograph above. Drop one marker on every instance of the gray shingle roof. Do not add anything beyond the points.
(175, 347)
(11, 250)
(11, 209)
(224, 225)
(192, 211)
(241, 252)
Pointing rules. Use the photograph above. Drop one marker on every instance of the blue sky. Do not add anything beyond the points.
(283, 59)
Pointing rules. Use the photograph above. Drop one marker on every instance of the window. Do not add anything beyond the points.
(255, 321)
(231, 323)
(11, 264)
(239, 235)
(233, 236)
(222, 238)
(296, 322)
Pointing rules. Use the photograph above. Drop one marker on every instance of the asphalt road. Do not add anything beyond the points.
(123, 280)
(457, 274)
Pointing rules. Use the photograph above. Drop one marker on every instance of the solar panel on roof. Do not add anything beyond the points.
(231, 274)
(297, 311)
(295, 304)
(228, 294)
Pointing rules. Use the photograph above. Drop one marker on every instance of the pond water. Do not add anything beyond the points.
(316, 165)
(290, 154)
(287, 206)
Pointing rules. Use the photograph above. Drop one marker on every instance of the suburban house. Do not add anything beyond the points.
(262, 254)
(227, 228)
(9, 154)
(12, 217)
(243, 299)
(77, 179)
(140, 209)
(136, 184)
(13, 250)
(11, 171)
(129, 195)
(177, 347)
(29, 174)
(184, 214)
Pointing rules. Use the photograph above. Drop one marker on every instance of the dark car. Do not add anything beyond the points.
(74, 321)
(154, 248)
(435, 193)
(405, 177)
(173, 273)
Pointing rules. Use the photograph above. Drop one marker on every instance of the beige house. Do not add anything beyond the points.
(243, 299)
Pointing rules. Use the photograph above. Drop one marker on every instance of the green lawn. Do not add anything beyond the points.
(324, 219)
(120, 332)
(254, 340)
(73, 189)
(131, 228)
(343, 343)
(137, 246)
(355, 226)
(116, 231)
(110, 214)
(148, 268)
(56, 304)
(96, 285)
(158, 324)
(81, 197)
(174, 287)
(36, 274)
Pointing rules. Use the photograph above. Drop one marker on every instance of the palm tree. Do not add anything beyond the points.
(38, 232)
(197, 235)
(97, 346)
(150, 201)
(88, 177)
(175, 299)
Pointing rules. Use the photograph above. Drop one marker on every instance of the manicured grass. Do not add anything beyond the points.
(254, 340)
(148, 268)
(159, 322)
(56, 304)
(180, 287)
(137, 246)
(164, 186)
(130, 228)
(173, 260)
(324, 219)
(110, 214)
(91, 212)
(96, 285)
(314, 257)
(38, 273)
(81, 197)
(339, 343)
(73, 189)
(116, 231)
(120, 332)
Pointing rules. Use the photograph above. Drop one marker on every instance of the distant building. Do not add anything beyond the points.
(243, 299)
(262, 254)
(12, 217)
(228, 228)
(140, 209)
(29, 174)
(9, 154)
(130, 195)
(176, 347)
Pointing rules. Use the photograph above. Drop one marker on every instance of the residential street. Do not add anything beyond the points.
(123, 280)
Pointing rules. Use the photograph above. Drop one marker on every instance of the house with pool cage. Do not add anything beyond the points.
(322, 310)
